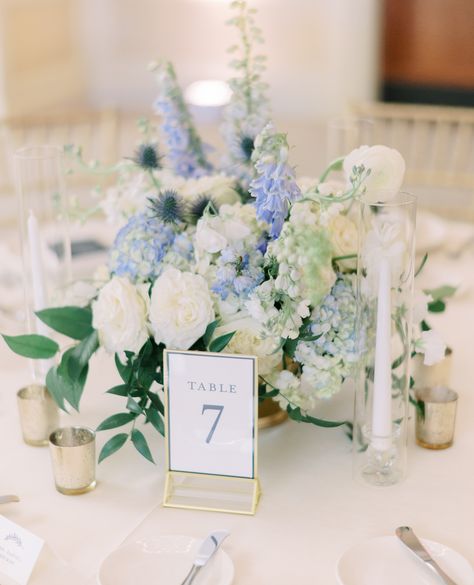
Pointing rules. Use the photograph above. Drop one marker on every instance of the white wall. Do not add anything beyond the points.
(323, 54)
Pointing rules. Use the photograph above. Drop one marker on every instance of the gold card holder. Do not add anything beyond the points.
(211, 416)
(213, 493)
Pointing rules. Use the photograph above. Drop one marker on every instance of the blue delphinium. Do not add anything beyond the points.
(140, 247)
(275, 186)
(186, 153)
(239, 271)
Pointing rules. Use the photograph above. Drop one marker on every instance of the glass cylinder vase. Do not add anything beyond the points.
(44, 235)
(385, 275)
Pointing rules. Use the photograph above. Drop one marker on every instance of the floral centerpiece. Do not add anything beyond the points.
(241, 258)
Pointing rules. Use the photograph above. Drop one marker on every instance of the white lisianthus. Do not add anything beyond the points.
(433, 347)
(343, 236)
(180, 309)
(120, 315)
(248, 340)
(387, 170)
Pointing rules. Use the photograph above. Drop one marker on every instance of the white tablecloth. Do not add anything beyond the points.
(311, 509)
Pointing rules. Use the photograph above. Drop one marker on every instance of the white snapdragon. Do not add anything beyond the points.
(181, 308)
(120, 315)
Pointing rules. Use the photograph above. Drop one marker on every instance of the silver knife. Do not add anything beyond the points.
(410, 540)
(204, 553)
(9, 499)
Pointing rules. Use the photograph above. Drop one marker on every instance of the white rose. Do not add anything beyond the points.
(180, 308)
(432, 345)
(343, 235)
(387, 169)
(120, 315)
(219, 187)
(248, 341)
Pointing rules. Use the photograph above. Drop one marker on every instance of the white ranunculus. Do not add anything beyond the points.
(120, 315)
(387, 170)
(433, 347)
(180, 309)
(249, 341)
(219, 187)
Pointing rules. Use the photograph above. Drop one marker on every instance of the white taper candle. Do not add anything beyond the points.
(382, 396)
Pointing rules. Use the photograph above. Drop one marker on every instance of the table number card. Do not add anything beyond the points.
(211, 423)
(19, 551)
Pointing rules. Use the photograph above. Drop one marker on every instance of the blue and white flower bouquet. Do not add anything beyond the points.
(240, 258)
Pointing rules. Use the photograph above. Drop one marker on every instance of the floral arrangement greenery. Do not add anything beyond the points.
(243, 258)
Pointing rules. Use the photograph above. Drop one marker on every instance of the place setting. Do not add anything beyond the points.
(227, 362)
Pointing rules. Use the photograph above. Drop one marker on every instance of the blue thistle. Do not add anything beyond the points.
(199, 206)
(168, 207)
(147, 157)
(247, 145)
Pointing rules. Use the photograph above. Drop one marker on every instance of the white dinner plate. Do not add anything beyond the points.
(387, 561)
(163, 560)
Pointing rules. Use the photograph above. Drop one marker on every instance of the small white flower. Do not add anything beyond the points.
(120, 315)
(432, 346)
(208, 237)
(181, 308)
(387, 169)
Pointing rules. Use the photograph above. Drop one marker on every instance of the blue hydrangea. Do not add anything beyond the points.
(238, 272)
(140, 247)
(335, 322)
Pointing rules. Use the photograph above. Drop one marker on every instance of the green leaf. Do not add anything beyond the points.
(436, 306)
(210, 332)
(75, 322)
(120, 390)
(296, 414)
(113, 445)
(32, 346)
(441, 292)
(125, 370)
(422, 265)
(141, 445)
(133, 406)
(156, 401)
(221, 342)
(116, 420)
(155, 419)
(289, 347)
(55, 387)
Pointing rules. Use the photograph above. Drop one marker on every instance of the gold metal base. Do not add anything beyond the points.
(76, 491)
(41, 443)
(434, 447)
(218, 493)
(270, 414)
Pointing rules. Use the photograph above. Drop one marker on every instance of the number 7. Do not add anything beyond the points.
(218, 407)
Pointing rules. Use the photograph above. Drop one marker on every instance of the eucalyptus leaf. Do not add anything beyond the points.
(221, 342)
(116, 420)
(32, 346)
(133, 406)
(141, 444)
(210, 332)
(120, 390)
(75, 322)
(112, 445)
(297, 415)
(155, 419)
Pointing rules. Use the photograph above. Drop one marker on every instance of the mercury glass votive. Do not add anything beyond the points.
(435, 417)
(39, 415)
(73, 458)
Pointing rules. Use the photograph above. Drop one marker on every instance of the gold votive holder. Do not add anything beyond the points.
(39, 414)
(435, 417)
(73, 458)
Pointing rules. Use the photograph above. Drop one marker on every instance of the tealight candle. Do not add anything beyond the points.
(39, 415)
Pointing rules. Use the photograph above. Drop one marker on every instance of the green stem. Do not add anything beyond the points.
(336, 165)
